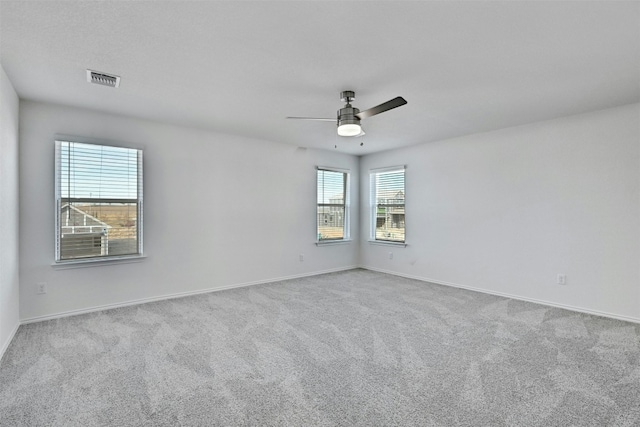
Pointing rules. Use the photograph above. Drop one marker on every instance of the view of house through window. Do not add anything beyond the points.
(387, 205)
(332, 212)
(99, 201)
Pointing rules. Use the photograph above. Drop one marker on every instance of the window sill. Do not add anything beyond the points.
(333, 242)
(63, 265)
(387, 243)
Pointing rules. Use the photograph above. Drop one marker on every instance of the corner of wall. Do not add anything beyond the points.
(9, 284)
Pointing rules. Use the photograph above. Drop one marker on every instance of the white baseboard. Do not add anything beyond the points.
(5, 345)
(511, 296)
(173, 296)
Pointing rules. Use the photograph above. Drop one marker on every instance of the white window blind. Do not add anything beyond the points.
(98, 201)
(387, 204)
(332, 210)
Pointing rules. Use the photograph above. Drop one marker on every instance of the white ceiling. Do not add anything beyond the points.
(242, 67)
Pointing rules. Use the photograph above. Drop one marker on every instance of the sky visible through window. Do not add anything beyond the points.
(330, 186)
(389, 182)
(98, 171)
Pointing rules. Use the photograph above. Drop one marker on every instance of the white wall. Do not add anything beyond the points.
(503, 212)
(220, 210)
(506, 211)
(9, 304)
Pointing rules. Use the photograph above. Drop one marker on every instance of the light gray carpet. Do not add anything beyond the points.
(341, 349)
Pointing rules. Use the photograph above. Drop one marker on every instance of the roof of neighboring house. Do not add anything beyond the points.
(391, 194)
(85, 214)
(112, 215)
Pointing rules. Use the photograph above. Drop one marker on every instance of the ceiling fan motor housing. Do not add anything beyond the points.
(347, 116)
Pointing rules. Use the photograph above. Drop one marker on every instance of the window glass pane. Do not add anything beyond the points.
(98, 229)
(98, 171)
(330, 222)
(330, 187)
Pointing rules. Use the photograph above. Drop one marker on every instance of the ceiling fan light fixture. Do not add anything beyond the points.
(349, 129)
(348, 122)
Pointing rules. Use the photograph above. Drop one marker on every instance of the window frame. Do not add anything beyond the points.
(346, 205)
(60, 202)
(373, 205)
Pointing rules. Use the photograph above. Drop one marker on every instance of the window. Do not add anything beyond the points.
(387, 204)
(98, 201)
(333, 205)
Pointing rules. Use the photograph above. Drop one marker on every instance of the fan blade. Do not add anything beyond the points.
(385, 106)
(313, 118)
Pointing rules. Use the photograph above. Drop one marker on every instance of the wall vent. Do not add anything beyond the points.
(100, 78)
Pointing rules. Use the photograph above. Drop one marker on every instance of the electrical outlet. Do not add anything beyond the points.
(41, 288)
(301, 257)
(562, 279)
(390, 255)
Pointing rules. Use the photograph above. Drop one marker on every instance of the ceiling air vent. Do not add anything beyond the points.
(104, 79)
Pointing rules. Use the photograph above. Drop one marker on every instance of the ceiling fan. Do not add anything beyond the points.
(348, 120)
